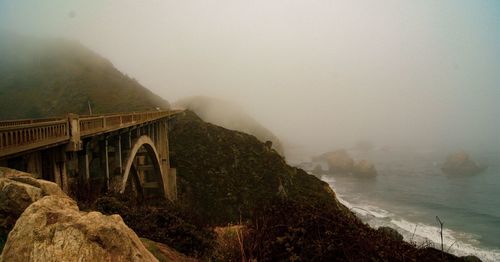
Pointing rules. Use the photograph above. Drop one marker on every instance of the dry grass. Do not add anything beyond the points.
(230, 243)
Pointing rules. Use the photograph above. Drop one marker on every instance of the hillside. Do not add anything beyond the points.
(49, 77)
(228, 177)
(225, 175)
(229, 115)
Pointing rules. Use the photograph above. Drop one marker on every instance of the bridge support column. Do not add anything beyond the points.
(87, 165)
(119, 153)
(59, 173)
(152, 132)
(84, 169)
(106, 160)
(75, 143)
(169, 177)
(129, 139)
(35, 164)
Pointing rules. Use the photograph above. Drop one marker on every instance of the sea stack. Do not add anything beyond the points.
(460, 163)
(339, 162)
(364, 168)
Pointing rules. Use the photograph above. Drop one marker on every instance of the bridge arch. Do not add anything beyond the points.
(148, 144)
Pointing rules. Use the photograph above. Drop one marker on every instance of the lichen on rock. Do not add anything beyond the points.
(18, 190)
(53, 229)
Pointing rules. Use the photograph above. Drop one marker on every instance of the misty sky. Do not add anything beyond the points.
(321, 74)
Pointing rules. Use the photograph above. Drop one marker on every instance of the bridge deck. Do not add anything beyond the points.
(17, 136)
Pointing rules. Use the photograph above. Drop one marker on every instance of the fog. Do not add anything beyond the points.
(319, 74)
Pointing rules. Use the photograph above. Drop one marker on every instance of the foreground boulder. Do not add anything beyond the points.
(53, 229)
(461, 164)
(18, 190)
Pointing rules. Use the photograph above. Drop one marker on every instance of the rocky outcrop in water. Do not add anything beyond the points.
(54, 229)
(339, 161)
(364, 168)
(460, 163)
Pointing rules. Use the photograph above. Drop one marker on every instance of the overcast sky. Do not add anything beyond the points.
(319, 74)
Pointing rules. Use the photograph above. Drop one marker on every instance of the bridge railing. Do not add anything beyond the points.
(95, 124)
(23, 136)
(18, 122)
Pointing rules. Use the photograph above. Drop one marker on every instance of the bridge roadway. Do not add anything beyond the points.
(78, 135)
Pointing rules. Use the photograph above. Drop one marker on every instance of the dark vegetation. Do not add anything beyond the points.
(3, 238)
(290, 230)
(52, 77)
(224, 176)
(160, 221)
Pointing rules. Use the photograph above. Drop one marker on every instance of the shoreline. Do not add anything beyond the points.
(420, 233)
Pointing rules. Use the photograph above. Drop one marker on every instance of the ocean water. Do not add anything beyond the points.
(410, 191)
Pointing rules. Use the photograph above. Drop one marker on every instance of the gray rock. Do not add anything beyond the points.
(460, 163)
(339, 162)
(53, 229)
(364, 168)
(18, 190)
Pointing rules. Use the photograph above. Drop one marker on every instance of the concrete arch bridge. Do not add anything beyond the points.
(87, 155)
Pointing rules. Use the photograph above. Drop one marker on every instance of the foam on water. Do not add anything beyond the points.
(458, 243)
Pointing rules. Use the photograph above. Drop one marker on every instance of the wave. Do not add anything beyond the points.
(457, 243)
